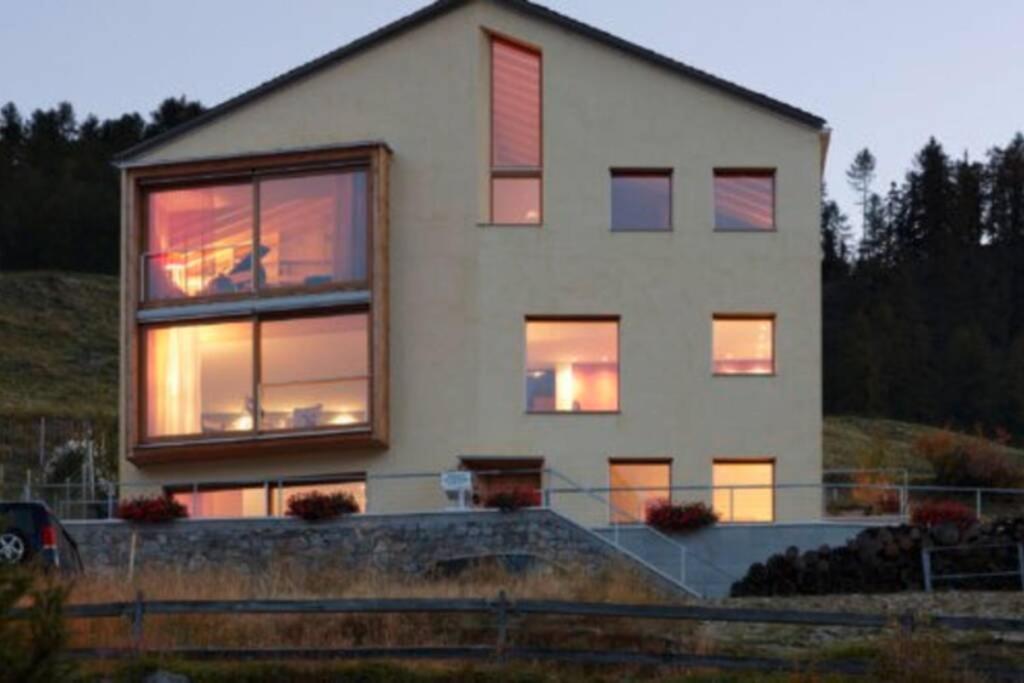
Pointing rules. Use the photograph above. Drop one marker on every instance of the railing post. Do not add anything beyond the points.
(926, 568)
(110, 505)
(138, 611)
(977, 503)
(1020, 563)
(906, 622)
(682, 564)
(501, 616)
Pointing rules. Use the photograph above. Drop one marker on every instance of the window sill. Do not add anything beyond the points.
(628, 231)
(573, 412)
(744, 231)
(271, 443)
(509, 225)
(766, 375)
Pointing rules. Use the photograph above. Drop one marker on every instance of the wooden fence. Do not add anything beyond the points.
(501, 609)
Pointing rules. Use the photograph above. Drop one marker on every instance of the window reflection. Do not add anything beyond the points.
(198, 379)
(744, 200)
(516, 200)
(257, 500)
(641, 201)
(752, 499)
(631, 506)
(314, 372)
(743, 346)
(572, 366)
(515, 74)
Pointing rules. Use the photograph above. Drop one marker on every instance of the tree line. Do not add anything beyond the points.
(59, 193)
(924, 314)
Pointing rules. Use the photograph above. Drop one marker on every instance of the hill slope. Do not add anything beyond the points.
(58, 344)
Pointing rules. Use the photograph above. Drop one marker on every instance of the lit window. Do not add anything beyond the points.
(515, 134)
(198, 379)
(743, 345)
(198, 241)
(744, 200)
(314, 372)
(744, 491)
(641, 200)
(313, 229)
(635, 486)
(256, 500)
(572, 366)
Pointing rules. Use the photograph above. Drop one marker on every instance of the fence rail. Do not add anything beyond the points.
(501, 609)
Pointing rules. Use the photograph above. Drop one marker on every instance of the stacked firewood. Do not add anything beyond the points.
(888, 559)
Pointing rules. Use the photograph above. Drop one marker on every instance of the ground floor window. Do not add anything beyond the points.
(493, 476)
(636, 484)
(744, 490)
(259, 500)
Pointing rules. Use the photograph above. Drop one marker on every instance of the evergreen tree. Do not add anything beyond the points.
(860, 175)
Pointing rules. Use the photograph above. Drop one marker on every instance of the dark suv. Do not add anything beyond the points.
(32, 533)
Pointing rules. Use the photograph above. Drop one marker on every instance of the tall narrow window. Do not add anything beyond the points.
(641, 200)
(572, 366)
(744, 200)
(744, 490)
(516, 158)
(635, 485)
(743, 345)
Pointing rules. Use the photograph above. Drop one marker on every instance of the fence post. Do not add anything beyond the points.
(137, 615)
(1020, 563)
(501, 615)
(926, 567)
(906, 622)
(977, 503)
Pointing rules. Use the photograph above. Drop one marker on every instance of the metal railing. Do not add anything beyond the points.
(1016, 555)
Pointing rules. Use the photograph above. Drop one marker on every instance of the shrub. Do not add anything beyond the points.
(933, 513)
(151, 509)
(33, 649)
(315, 506)
(665, 516)
(968, 461)
(513, 499)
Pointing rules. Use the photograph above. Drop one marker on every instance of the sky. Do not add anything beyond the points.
(886, 75)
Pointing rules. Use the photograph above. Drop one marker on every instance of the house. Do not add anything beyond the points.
(486, 236)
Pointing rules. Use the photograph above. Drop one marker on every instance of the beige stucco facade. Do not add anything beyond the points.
(460, 289)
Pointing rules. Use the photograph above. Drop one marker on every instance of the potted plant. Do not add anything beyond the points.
(151, 509)
(316, 506)
(680, 518)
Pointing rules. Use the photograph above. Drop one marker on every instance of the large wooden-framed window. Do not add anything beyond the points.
(257, 318)
(516, 182)
(268, 499)
(572, 364)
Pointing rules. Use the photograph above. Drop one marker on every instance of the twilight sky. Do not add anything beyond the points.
(884, 74)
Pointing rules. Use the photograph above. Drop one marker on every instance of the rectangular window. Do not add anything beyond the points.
(256, 500)
(313, 372)
(516, 157)
(492, 476)
(744, 200)
(743, 345)
(744, 490)
(634, 486)
(572, 366)
(312, 231)
(641, 200)
(198, 379)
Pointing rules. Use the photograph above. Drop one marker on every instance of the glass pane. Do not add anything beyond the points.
(572, 366)
(743, 504)
(199, 242)
(356, 489)
(314, 372)
(641, 201)
(744, 201)
(313, 229)
(198, 379)
(515, 201)
(631, 506)
(515, 77)
(249, 501)
(743, 346)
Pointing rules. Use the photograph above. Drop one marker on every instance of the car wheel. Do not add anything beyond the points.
(12, 548)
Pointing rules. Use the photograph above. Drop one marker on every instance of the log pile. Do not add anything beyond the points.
(888, 559)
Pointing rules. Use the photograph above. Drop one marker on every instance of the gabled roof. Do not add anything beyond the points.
(440, 7)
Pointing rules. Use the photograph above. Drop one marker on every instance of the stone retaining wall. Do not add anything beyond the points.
(409, 544)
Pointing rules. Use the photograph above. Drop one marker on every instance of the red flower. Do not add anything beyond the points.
(513, 499)
(933, 513)
(151, 509)
(315, 506)
(665, 516)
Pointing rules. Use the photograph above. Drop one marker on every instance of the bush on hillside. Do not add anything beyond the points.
(933, 513)
(665, 516)
(513, 499)
(315, 506)
(151, 509)
(968, 461)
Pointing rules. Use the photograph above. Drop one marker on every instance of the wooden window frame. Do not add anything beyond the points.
(643, 172)
(510, 171)
(759, 172)
(748, 461)
(747, 316)
(607, 318)
(136, 182)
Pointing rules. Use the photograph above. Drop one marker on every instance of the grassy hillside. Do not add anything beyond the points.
(58, 344)
(848, 438)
